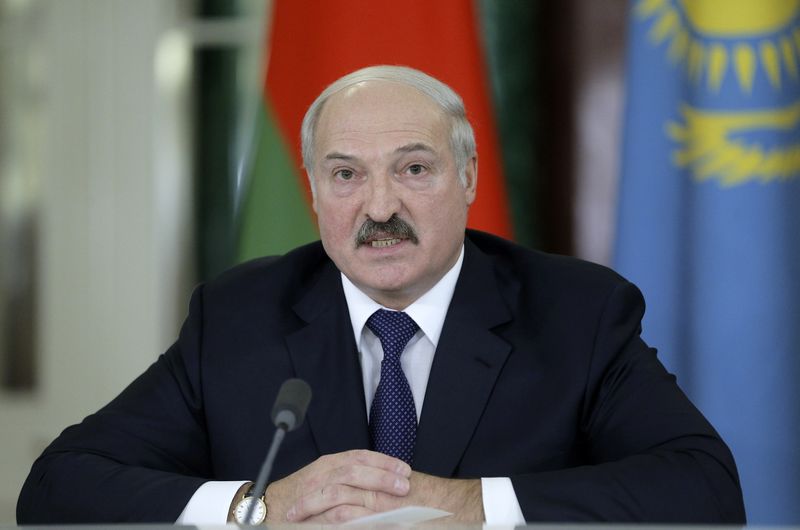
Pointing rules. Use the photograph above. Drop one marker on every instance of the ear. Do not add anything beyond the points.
(471, 176)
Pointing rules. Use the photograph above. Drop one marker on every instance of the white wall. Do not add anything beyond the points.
(115, 237)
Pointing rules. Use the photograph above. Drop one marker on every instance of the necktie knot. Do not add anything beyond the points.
(394, 329)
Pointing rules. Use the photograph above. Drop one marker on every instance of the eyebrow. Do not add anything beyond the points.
(339, 156)
(419, 146)
(408, 148)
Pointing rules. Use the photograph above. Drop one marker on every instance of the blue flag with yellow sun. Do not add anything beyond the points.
(709, 221)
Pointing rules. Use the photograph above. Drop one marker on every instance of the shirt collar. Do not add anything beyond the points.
(428, 311)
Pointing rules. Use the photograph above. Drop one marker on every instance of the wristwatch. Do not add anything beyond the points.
(241, 508)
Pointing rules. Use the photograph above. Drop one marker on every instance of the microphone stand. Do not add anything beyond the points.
(266, 468)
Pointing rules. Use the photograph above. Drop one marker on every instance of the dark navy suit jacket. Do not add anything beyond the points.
(540, 375)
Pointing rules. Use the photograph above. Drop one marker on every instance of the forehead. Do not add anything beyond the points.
(377, 111)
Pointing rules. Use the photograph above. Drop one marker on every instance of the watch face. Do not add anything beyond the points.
(259, 513)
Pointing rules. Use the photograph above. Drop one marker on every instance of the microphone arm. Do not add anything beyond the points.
(266, 468)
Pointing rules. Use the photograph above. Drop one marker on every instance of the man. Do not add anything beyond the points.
(532, 396)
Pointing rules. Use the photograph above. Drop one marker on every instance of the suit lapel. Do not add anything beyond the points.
(466, 365)
(324, 354)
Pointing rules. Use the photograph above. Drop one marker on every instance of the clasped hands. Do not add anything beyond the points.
(340, 487)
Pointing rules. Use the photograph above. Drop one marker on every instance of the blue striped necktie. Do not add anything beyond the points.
(393, 417)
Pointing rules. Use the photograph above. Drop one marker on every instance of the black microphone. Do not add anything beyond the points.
(287, 414)
(291, 404)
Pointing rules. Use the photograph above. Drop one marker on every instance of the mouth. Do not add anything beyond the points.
(387, 242)
(385, 234)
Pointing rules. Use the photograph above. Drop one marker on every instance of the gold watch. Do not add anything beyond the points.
(240, 509)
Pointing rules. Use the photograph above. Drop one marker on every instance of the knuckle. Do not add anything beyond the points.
(331, 494)
(312, 483)
(371, 500)
(342, 475)
(347, 474)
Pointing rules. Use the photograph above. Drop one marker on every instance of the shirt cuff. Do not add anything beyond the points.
(210, 503)
(500, 504)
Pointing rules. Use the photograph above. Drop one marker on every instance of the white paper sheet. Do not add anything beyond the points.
(406, 515)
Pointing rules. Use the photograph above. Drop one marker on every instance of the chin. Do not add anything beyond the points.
(386, 284)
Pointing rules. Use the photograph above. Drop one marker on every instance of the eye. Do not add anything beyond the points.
(416, 169)
(344, 174)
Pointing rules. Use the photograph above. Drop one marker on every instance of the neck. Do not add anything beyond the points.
(397, 301)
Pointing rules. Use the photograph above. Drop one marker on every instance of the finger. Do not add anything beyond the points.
(332, 495)
(370, 479)
(325, 499)
(360, 468)
(374, 459)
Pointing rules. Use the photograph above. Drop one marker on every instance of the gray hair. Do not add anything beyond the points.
(462, 137)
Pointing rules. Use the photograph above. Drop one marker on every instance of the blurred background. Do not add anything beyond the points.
(147, 145)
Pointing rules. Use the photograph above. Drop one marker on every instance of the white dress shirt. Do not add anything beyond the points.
(210, 503)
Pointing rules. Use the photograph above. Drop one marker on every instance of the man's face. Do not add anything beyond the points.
(382, 153)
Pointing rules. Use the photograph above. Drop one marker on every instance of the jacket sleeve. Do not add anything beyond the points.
(138, 459)
(653, 456)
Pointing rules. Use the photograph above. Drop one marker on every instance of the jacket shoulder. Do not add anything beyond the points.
(542, 268)
(274, 279)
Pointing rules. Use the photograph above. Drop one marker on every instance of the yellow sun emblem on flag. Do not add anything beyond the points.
(728, 29)
(742, 59)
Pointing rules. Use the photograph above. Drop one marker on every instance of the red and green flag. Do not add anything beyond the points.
(311, 44)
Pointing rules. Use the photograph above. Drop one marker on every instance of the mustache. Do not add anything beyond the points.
(393, 228)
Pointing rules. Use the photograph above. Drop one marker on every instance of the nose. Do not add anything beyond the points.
(382, 200)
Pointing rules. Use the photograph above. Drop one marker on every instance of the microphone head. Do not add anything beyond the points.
(291, 404)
